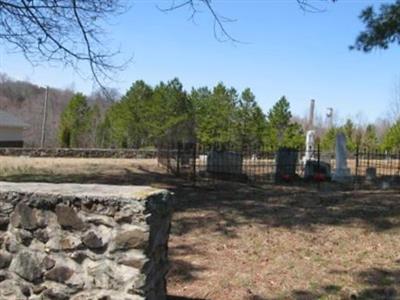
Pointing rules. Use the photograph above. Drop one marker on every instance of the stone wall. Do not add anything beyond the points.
(74, 152)
(71, 241)
(11, 144)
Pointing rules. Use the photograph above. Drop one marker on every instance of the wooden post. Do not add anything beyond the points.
(44, 118)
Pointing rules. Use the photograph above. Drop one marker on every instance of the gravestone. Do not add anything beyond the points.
(286, 164)
(370, 174)
(317, 170)
(224, 162)
(310, 146)
(342, 172)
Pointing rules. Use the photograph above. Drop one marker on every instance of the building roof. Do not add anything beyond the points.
(9, 120)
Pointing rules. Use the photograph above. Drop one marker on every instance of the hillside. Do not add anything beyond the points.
(25, 100)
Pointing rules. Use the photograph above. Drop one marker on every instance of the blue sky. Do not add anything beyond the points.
(287, 52)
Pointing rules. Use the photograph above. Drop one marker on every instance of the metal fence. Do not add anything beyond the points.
(200, 162)
(380, 164)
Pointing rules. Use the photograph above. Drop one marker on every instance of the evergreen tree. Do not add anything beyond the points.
(382, 28)
(75, 121)
(328, 140)
(171, 111)
(281, 132)
(250, 121)
(215, 115)
(350, 133)
(104, 134)
(294, 136)
(130, 119)
(94, 126)
(370, 138)
(391, 140)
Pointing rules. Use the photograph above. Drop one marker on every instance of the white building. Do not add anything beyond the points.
(11, 130)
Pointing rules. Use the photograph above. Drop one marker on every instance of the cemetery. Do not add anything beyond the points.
(145, 159)
(227, 238)
(191, 221)
(195, 161)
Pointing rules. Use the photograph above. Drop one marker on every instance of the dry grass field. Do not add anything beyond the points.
(93, 170)
(233, 241)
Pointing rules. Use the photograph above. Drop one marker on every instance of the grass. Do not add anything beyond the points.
(232, 241)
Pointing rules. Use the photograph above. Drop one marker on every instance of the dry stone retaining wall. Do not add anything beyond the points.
(74, 152)
(70, 241)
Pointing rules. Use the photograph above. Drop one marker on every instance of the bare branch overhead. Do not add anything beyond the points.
(67, 31)
(71, 31)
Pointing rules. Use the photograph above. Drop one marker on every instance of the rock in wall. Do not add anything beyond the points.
(71, 241)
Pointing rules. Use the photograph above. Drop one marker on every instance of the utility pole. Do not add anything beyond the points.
(44, 118)
(311, 115)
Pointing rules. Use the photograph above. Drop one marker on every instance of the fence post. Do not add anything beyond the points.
(178, 159)
(398, 162)
(194, 162)
(357, 159)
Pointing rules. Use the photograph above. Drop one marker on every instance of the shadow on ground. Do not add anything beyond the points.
(380, 284)
(182, 298)
(237, 204)
(222, 207)
(278, 206)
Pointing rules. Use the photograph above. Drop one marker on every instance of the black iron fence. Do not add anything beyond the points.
(371, 164)
(200, 162)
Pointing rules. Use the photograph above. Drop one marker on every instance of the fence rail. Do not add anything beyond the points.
(199, 162)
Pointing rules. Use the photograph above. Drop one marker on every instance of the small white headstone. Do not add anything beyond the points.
(310, 146)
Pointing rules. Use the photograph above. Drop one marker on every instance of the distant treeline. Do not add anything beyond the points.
(146, 116)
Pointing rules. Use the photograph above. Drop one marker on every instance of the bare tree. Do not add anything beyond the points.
(220, 21)
(67, 31)
(71, 31)
(394, 104)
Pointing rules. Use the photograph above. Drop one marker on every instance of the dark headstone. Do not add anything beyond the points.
(318, 171)
(286, 163)
(224, 162)
(370, 174)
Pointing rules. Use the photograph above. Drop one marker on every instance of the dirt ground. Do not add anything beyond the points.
(234, 241)
(286, 243)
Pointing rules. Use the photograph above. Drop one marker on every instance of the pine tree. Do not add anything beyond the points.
(75, 120)
(328, 140)
(250, 121)
(215, 115)
(281, 132)
(350, 132)
(129, 119)
(370, 138)
(391, 140)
